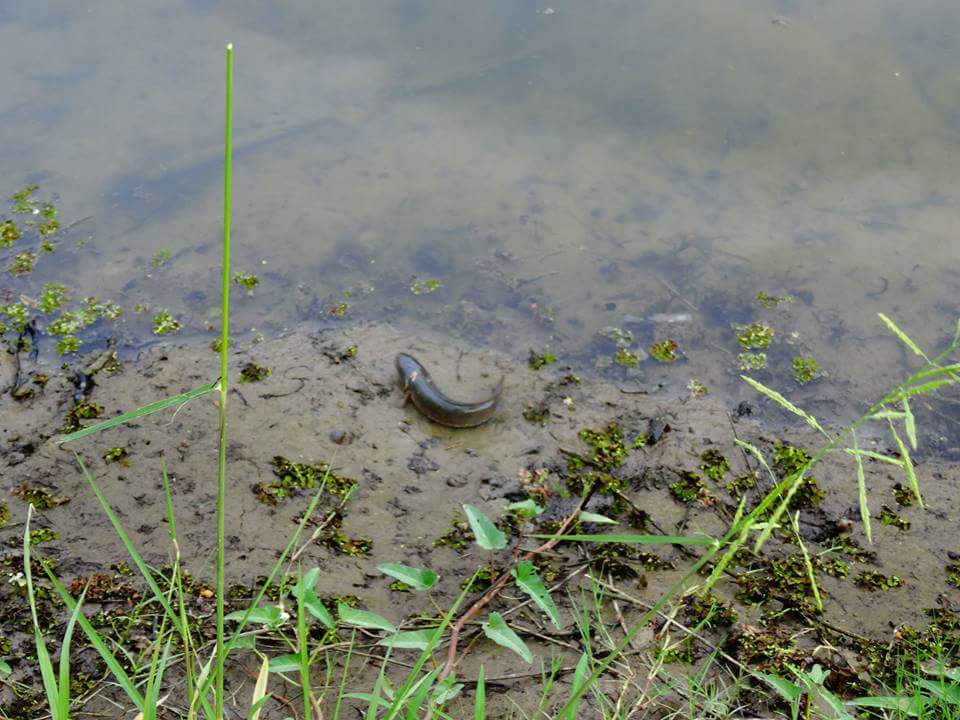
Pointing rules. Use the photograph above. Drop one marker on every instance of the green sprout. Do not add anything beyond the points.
(697, 388)
(160, 258)
(246, 280)
(52, 297)
(664, 351)
(754, 336)
(537, 361)
(115, 454)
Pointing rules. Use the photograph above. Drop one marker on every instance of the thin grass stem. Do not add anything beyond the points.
(224, 382)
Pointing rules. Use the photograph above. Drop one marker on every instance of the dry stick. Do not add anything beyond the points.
(500, 584)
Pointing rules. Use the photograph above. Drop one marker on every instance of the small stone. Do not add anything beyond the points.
(341, 437)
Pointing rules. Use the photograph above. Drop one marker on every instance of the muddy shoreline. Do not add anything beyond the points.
(331, 396)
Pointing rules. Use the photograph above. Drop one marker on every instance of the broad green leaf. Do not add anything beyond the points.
(945, 692)
(596, 519)
(446, 691)
(497, 630)
(902, 335)
(5, 669)
(305, 593)
(367, 697)
(488, 535)
(419, 580)
(363, 618)
(138, 413)
(271, 615)
(528, 581)
(409, 640)
(789, 691)
(631, 539)
(527, 508)
(912, 706)
(285, 663)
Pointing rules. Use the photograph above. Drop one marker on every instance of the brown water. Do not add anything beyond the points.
(564, 164)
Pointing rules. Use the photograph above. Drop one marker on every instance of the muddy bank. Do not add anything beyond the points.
(331, 396)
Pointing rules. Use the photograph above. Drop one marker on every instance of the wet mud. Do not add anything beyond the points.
(331, 395)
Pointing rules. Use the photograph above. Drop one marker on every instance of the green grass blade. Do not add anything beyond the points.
(909, 424)
(116, 669)
(923, 389)
(65, 659)
(758, 455)
(128, 544)
(874, 456)
(480, 699)
(862, 491)
(774, 520)
(303, 646)
(43, 656)
(633, 539)
(784, 403)
(795, 523)
(138, 413)
(908, 468)
(892, 326)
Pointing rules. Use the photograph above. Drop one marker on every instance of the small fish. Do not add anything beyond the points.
(420, 389)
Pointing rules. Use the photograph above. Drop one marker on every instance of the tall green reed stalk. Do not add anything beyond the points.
(224, 346)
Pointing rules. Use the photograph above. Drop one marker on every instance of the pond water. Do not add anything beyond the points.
(560, 168)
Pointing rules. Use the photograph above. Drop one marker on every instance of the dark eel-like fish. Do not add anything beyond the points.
(419, 387)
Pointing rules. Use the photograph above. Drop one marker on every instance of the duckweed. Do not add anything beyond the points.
(886, 516)
(664, 351)
(425, 287)
(872, 580)
(165, 323)
(251, 372)
(754, 336)
(246, 280)
(626, 357)
(537, 361)
(714, 465)
(805, 369)
(752, 361)
(688, 488)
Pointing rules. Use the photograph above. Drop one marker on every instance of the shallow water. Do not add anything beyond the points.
(556, 166)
